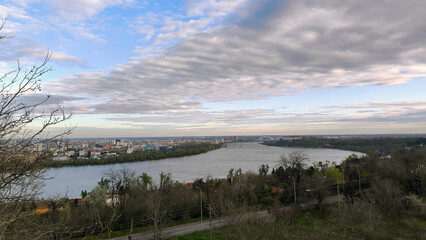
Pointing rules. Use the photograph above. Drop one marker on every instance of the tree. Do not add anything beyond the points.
(21, 168)
(158, 207)
(293, 165)
(318, 188)
(263, 169)
(387, 196)
(146, 180)
(351, 213)
(294, 161)
(230, 176)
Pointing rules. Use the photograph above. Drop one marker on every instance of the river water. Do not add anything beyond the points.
(70, 181)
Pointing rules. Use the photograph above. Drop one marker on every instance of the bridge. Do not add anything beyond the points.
(265, 138)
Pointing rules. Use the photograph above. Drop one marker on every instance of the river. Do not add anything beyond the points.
(70, 181)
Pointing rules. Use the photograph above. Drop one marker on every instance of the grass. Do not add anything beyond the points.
(316, 224)
(203, 235)
(310, 224)
(125, 232)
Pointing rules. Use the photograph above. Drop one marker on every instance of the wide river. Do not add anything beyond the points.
(70, 181)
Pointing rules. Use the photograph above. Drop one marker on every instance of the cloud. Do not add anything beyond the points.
(18, 19)
(14, 12)
(164, 29)
(300, 45)
(388, 117)
(47, 103)
(48, 99)
(398, 112)
(201, 117)
(213, 8)
(76, 17)
(383, 105)
(59, 56)
(27, 50)
(143, 105)
(80, 9)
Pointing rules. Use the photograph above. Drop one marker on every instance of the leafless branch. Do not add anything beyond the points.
(21, 168)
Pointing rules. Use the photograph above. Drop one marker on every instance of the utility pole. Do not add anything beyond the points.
(210, 215)
(338, 194)
(294, 187)
(201, 203)
(129, 237)
(359, 180)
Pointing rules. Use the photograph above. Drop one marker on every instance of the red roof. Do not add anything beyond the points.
(277, 190)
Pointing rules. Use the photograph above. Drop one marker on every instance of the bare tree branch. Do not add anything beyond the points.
(21, 124)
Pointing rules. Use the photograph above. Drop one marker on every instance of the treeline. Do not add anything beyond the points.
(180, 151)
(381, 146)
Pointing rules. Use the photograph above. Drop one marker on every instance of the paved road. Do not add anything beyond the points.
(205, 225)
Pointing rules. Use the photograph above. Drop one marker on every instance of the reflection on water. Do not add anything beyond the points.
(70, 181)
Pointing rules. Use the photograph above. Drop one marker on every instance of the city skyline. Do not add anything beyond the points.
(128, 68)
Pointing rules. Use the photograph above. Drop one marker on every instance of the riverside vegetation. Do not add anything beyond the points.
(378, 145)
(390, 204)
(180, 151)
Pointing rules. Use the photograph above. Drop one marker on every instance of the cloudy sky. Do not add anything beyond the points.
(231, 67)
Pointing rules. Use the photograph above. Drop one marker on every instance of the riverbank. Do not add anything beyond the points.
(380, 146)
(139, 156)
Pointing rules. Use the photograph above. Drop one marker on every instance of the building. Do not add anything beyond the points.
(39, 147)
(70, 153)
(95, 154)
(60, 158)
(150, 147)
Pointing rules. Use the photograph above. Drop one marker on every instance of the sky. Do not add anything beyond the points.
(130, 68)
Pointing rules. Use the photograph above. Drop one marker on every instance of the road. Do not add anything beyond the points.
(216, 223)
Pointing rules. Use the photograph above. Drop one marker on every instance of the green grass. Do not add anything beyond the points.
(203, 235)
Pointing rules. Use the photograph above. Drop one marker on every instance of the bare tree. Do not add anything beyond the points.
(387, 196)
(21, 123)
(294, 161)
(115, 198)
(293, 164)
(159, 202)
(374, 218)
(351, 213)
